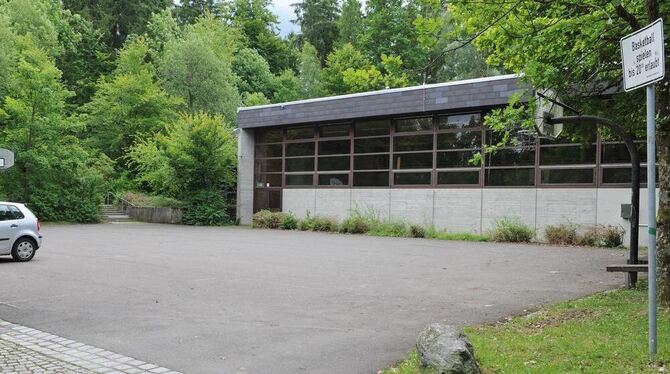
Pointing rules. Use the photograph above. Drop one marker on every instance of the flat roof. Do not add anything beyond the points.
(463, 94)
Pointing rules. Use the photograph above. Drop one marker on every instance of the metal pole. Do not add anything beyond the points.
(651, 211)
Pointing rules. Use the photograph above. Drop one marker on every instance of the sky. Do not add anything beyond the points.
(283, 10)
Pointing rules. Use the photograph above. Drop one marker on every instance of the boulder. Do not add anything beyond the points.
(445, 349)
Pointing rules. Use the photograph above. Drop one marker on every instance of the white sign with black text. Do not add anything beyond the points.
(643, 56)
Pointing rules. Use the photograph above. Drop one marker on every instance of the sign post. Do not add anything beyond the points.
(643, 59)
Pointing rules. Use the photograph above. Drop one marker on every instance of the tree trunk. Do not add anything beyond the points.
(663, 152)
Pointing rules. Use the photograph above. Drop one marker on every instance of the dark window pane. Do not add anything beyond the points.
(300, 133)
(511, 157)
(273, 150)
(413, 143)
(622, 175)
(413, 161)
(335, 147)
(589, 136)
(332, 131)
(334, 179)
(299, 180)
(371, 162)
(461, 139)
(510, 177)
(269, 136)
(373, 145)
(518, 137)
(568, 155)
(300, 149)
(567, 176)
(458, 159)
(372, 128)
(458, 177)
(411, 178)
(300, 164)
(268, 180)
(460, 121)
(15, 213)
(267, 199)
(414, 124)
(334, 163)
(371, 179)
(268, 166)
(618, 153)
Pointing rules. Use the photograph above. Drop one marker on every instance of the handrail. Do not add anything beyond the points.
(112, 199)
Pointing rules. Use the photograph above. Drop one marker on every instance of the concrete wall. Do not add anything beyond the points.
(472, 210)
(155, 215)
(245, 175)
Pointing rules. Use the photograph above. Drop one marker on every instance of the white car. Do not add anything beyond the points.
(19, 232)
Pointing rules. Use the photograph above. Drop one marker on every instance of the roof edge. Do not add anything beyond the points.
(390, 90)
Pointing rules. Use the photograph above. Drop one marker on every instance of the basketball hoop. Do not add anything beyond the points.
(548, 106)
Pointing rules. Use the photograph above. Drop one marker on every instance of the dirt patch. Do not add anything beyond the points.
(544, 319)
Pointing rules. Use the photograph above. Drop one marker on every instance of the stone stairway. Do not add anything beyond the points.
(112, 214)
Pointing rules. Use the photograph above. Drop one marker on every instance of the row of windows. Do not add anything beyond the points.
(429, 151)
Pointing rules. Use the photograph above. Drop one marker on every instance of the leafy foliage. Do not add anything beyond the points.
(511, 229)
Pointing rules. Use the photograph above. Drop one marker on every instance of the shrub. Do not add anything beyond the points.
(355, 224)
(324, 224)
(433, 233)
(289, 222)
(144, 200)
(417, 231)
(206, 208)
(602, 236)
(389, 228)
(563, 234)
(265, 219)
(511, 229)
(317, 223)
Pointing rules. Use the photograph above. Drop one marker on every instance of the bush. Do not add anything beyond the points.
(207, 208)
(602, 236)
(389, 228)
(317, 223)
(511, 229)
(289, 222)
(417, 231)
(563, 234)
(355, 224)
(433, 233)
(266, 219)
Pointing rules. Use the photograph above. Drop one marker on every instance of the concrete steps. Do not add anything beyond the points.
(112, 214)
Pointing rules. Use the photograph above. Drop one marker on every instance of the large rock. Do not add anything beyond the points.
(446, 350)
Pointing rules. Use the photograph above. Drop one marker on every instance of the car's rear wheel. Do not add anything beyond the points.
(24, 250)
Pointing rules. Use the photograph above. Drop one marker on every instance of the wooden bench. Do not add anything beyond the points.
(628, 268)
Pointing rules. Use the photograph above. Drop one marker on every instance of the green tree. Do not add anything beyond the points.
(188, 11)
(318, 24)
(370, 78)
(54, 172)
(311, 84)
(198, 68)
(389, 31)
(194, 160)
(350, 23)
(340, 60)
(128, 106)
(253, 72)
(574, 50)
(259, 27)
(117, 18)
(288, 87)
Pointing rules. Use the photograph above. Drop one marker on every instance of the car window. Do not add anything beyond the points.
(15, 213)
(5, 214)
(10, 212)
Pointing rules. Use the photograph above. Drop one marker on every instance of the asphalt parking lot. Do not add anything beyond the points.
(236, 300)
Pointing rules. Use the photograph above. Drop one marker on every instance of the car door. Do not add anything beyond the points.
(5, 229)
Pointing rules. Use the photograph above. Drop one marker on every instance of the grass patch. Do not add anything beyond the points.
(603, 333)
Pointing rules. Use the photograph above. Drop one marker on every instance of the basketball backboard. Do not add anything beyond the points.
(547, 107)
(6, 159)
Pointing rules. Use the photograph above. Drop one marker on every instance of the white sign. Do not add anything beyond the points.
(643, 56)
(2, 162)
